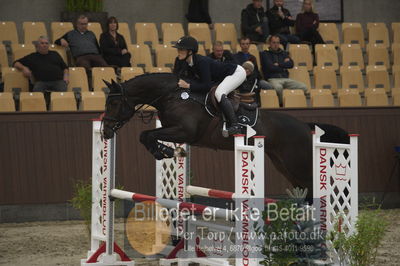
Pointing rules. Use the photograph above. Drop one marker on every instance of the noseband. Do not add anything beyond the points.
(127, 108)
(131, 110)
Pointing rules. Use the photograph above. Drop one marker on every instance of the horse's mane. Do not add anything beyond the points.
(151, 83)
(137, 78)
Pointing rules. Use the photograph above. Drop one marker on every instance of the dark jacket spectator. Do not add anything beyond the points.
(198, 12)
(306, 21)
(253, 22)
(274, 64)
(244, 55)
(307, 24)
(113, 45)
(46, 67)
(277, 24)
(280, 20)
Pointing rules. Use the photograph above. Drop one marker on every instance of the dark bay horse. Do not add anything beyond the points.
(288, 140)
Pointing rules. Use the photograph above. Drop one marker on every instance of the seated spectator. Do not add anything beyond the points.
(275, 64)
(198, 12)
(113, 45)
(46, 68)
(220, 54)
(279, 22)
(244, 55)
(253, 22)
(307, 23)
(83, 45)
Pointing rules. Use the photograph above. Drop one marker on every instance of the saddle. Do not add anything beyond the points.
(246, 100)
(244, 104)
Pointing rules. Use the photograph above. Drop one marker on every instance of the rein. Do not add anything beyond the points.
(132, 109)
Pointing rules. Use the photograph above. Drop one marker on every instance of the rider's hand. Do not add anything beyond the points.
(183, 84)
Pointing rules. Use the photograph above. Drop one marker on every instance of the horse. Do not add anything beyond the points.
(288, 140)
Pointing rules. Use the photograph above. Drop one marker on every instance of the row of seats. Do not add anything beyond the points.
(353, 33)
(350, 77)
(141, 54)
(95, 101)
(350, 55)
(325, 55)
(324, 78)
(325, 98)
(78, 80)
(59, 101)
(147, 33)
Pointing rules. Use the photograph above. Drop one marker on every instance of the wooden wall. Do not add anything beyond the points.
(43, 154)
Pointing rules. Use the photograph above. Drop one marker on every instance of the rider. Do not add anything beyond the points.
(204, 72)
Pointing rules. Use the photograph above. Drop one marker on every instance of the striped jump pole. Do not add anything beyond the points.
(192, 208)
(216, 193)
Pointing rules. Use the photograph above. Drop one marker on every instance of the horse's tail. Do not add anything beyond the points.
(332, 134)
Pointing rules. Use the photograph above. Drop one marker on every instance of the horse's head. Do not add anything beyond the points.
(118, 109)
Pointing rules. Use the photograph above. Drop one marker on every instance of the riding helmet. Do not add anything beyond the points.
(188, 43)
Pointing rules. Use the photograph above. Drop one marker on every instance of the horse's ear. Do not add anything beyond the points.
(108, 84)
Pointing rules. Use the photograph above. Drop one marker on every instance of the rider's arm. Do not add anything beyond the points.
(204, 82)
(268, 65)
(287, 62)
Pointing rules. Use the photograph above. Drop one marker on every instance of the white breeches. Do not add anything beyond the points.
(230, 83)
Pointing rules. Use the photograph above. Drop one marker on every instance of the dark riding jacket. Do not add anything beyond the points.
(204, 73)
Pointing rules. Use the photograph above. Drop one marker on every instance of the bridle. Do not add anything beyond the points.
(131, 110)
(128, 109)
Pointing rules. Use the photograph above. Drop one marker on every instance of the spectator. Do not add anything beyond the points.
(275, 64)
(253, 22)
(45, 67)
(83, 45)
(220, 54)
(251, 84)
(244, 55)
(198, 12)
(113, 45)
(279, 22)
(307, 23)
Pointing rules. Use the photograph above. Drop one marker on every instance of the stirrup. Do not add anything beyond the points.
(234, 129)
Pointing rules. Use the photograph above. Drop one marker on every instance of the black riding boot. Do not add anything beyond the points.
(229, 113)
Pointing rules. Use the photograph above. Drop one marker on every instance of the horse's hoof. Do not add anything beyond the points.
(180, 152)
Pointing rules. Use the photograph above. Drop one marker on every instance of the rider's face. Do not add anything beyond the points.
(182, 53)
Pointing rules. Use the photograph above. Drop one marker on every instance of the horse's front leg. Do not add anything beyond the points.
(150, 139)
